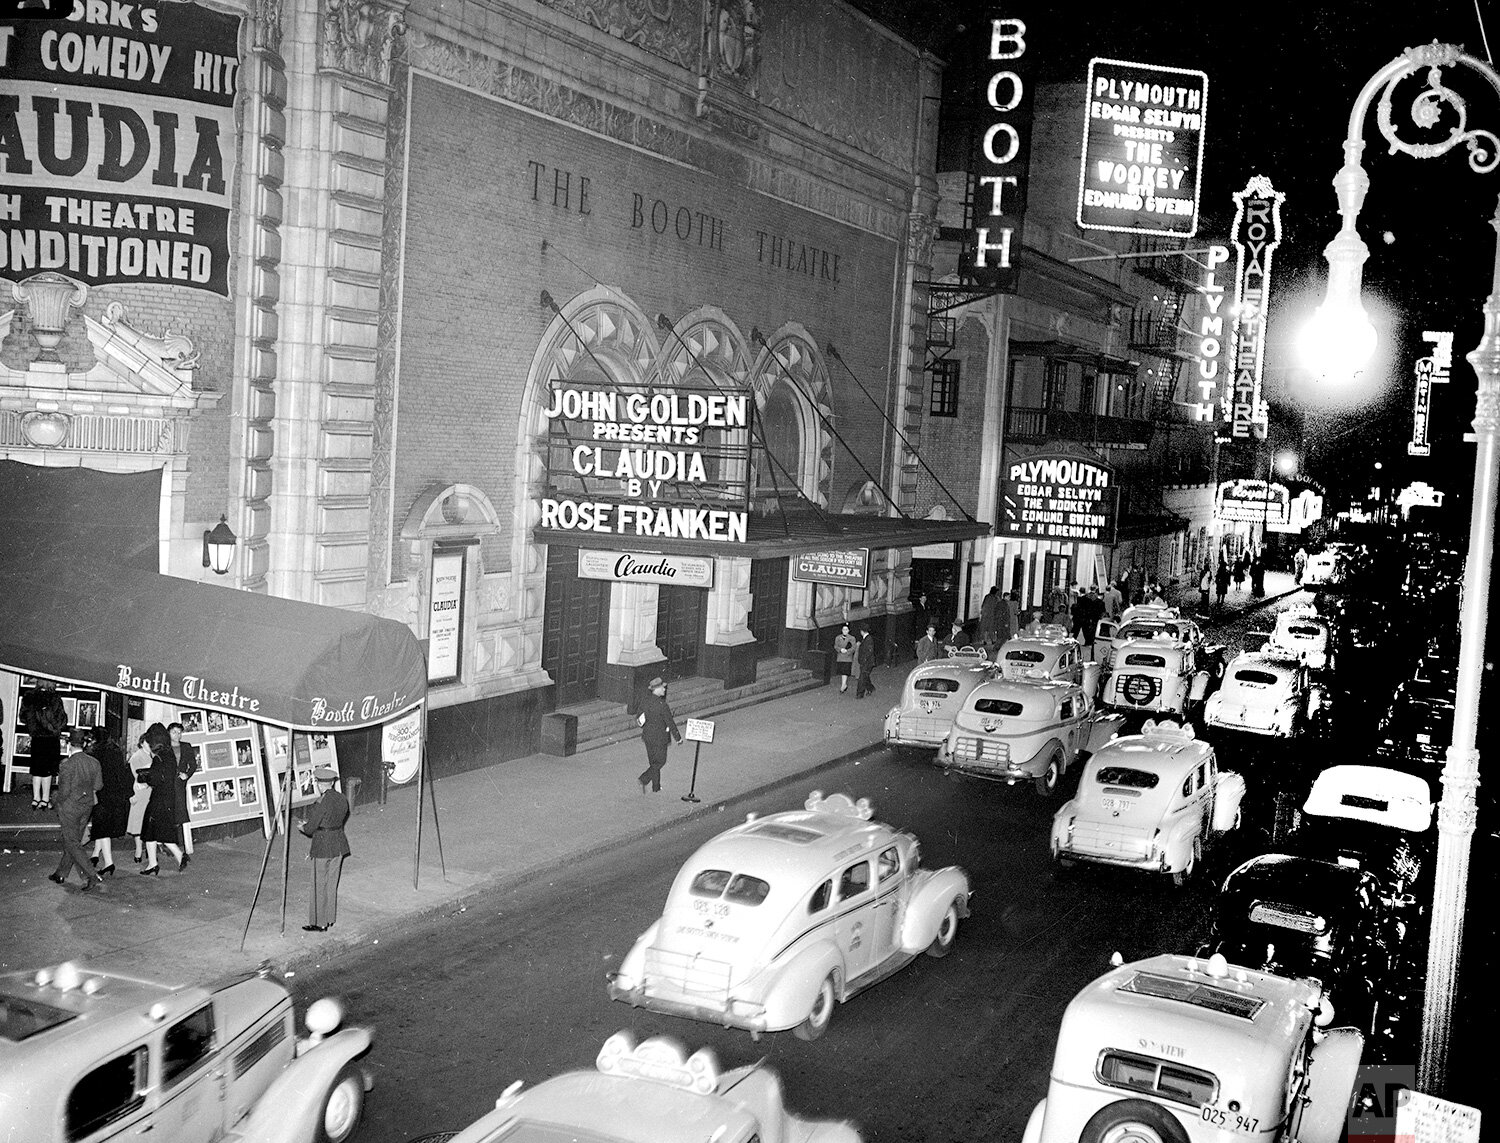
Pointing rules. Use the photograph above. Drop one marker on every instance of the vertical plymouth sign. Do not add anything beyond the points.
(117, 144)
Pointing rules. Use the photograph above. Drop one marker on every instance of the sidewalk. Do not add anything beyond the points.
(500, 826)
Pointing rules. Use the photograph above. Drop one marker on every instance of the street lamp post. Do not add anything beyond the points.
(1343, 311)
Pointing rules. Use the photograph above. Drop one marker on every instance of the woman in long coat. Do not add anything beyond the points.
(164, 815)
(140, 766)
(112, 811)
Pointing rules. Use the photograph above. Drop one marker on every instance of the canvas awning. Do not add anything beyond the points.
(266, 659)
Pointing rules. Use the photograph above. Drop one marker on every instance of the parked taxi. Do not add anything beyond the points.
(88, 1056)
(934, 693)
(1154, 621)
(1302, 632)
(771, 923)
(652, 1092)
(1050, 654)
(1149, 801)
(1371, 818)
(1174, 1048)
(1026, 731)
(1156, 674)
(1267, 693)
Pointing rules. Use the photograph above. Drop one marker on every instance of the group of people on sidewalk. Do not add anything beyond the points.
(855, 656)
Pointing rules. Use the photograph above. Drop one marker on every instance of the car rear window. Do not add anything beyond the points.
(1286, 917)
(1256, 678)
(1125, 776)
(998, 706)
(1306, 632)
(1025, 656)
(738, 888)
(1171, 1081)
(938, 683)
(1145, 661)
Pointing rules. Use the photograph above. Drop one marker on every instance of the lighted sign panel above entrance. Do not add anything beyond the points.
(645, 567)
(661, 463)
(117, 150)
(1142, 148)
(849, 568)
(1054, 496)
(1252, 502)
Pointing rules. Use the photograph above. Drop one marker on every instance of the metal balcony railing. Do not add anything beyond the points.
(1028, 424)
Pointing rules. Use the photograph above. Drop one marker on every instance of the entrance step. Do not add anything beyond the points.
(604, 723)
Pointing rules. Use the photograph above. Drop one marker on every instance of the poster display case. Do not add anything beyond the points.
(230, 783)
(84, 704)
(307, 752)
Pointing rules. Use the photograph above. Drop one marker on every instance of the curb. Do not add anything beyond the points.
(511, 879)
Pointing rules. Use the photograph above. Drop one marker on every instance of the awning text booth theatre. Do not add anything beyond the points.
(290, 664)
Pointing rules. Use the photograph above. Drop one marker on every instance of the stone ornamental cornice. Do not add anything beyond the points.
(358, 37)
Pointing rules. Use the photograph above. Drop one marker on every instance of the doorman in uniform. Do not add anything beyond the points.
(325, 825)
(657, 726)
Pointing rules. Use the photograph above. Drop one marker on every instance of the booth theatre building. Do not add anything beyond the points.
(562, 333)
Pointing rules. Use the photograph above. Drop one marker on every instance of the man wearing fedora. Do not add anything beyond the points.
(325, 825)
(657, 725)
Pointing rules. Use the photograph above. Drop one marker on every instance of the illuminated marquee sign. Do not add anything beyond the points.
(1212, 337)
(646, 567)
(1306, 510)
(1256, 234)
(118, 144)
(1431, 370)
(664, 464)
(1253, 502)
(1142, 148)
(1004, 150)
(1059, 497)
(850, 568)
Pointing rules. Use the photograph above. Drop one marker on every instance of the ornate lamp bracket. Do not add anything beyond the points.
(1427, 108)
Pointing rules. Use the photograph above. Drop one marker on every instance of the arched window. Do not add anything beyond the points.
(780, 435)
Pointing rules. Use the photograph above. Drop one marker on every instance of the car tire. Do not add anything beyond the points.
(342, 1106)
(1134, 1120)
(1184, 876)
(947, 931)
(1047, 780)
(821, 1014)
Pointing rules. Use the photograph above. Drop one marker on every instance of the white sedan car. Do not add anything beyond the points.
(1267, 693)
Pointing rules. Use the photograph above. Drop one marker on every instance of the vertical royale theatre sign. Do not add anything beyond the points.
(117, 144)
(1054, 496)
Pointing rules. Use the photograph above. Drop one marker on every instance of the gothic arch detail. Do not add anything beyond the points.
(791, 357)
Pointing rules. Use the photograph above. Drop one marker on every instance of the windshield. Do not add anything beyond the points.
(20, 1018)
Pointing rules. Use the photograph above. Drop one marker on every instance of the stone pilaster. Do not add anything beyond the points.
(729, 649)
(631, 656)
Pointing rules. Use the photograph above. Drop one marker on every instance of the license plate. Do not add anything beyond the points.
(1116, 803)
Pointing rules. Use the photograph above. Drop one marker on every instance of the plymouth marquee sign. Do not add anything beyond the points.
(661, 464)
(1142, 148)
(1055, 496)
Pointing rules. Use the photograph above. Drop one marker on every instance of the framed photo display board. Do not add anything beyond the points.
(230, 783)
(85, 707)
(307, 752)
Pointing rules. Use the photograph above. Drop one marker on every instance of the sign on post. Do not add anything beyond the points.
(698, 730)
(842, 568)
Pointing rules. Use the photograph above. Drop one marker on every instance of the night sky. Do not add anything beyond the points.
(1283, 78)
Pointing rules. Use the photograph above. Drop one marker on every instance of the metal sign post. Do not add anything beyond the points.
(698, 731)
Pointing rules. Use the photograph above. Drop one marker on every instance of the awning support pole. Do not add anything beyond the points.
(264, 862)
(286, 871)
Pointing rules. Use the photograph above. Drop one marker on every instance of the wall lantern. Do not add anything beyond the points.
(218, 547)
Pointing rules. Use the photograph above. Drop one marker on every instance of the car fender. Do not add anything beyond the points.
(1090, 681)
(929, 901)
(1060, 822)
(1034, 1121)
(1102, 728)
(1229, 795)
(634, 964)
(1332, 1073)
(892, 717)
(1199, 687)
(1179, 841)
(292, 1105)
(792, 986)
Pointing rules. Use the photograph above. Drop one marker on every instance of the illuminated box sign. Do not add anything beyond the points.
(646, 567)
(1256, 234)
(1306, 510)
(1059, 497)
(849, 568)
(1213, 338)
(663, 464)
(118, 144)
(1252, 502)
(1431, 370)
(1142, 148)
(1003, 154)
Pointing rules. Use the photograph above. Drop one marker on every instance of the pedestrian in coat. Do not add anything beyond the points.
(1092, 605)
(927, 646)
(843, 650)
(1241, 570)
(989, 618)
(1013, 606)
(46, 720)
(1060, 606)
(1135, 580)
(1299, 563)
(1221, 582)
(140, 798)
(1114, 602)
(865, 656)
(78, 785)
(325, 825)
(1258, 575)
(165, 815)
(185, 761)
(112, 812)
(657, 726)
